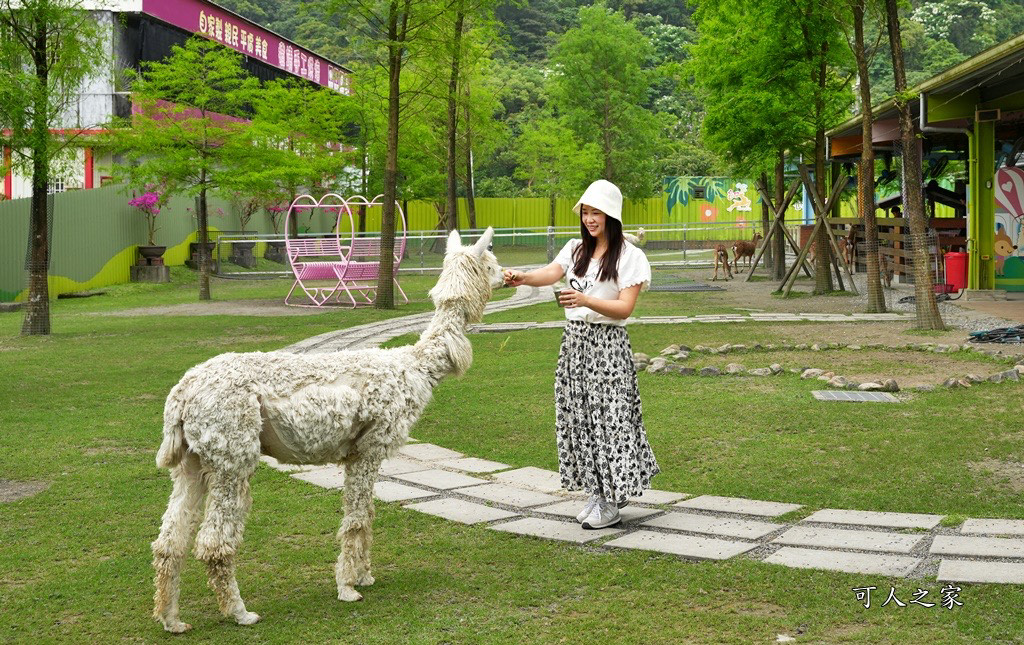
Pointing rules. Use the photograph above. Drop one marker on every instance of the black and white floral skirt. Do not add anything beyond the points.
(599, 427)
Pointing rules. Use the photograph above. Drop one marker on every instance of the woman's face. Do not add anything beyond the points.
(593, 220)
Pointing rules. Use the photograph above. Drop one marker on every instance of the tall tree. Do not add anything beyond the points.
(599, 85)
(390, 28)
(187, 127)
(48, 49)
(866, 169)
(927, 307)
(294, 142)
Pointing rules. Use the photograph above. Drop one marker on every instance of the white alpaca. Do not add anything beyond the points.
(352, 407)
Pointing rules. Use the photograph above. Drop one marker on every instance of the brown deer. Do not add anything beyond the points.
(744, 249)
(722, 258)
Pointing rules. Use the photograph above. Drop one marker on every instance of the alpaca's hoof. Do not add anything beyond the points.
(247, 618)
(365, 581)
(348, 594)
(177, 627)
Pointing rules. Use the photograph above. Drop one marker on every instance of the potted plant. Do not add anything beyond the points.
(211, 246)
(241, 252)
(275, 249)
(149, 203)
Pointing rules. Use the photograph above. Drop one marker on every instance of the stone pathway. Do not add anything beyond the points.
(530, 501)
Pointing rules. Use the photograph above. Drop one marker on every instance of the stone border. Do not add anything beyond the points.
(669, 362)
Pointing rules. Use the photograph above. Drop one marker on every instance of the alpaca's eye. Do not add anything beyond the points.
(490, 247)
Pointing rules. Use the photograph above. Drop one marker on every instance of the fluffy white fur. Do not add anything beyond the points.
(353, 408)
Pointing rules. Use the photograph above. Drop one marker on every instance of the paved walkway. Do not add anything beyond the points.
(530, 501)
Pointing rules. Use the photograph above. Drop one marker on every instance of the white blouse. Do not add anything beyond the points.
(633, 269)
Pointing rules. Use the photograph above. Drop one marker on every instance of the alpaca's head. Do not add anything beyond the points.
(468, 276)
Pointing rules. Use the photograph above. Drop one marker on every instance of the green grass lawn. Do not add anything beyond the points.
(80, 410)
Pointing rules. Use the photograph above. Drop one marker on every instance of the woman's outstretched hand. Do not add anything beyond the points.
(514, 278)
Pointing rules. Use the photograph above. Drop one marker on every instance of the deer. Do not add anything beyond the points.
(744, 249)
(722, 258)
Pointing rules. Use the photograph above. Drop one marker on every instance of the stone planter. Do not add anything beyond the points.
(241, 254)
(276, 252)
(151, 255)
(150, 266)
(193, 255)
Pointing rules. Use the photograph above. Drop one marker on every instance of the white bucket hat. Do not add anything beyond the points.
(604, 196)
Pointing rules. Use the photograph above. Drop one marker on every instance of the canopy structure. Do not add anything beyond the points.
(972, 112)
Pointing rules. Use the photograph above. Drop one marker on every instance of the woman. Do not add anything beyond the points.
(602, 444)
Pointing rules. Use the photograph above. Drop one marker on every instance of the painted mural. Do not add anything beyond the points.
(1009, 240)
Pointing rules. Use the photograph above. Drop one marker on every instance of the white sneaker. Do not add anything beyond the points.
(591, 501)
(604, 514)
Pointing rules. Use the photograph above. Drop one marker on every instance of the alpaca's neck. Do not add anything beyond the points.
(443, 347)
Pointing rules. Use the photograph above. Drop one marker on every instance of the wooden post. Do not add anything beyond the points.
(777, 224)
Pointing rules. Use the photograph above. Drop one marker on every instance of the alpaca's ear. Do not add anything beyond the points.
(454, 242)
(484, 242)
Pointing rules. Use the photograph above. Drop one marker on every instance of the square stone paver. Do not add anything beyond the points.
(399, 465)
(393, 492)
(875, 518)
(441, 479)
(572, 507)
(720, 526)
(472, 465)
(699, 548)
(326, 477)
(459, 510)
(510, 495)
(871, 563)
(849, 539)
(995, 527)
(977, 546)
(658, 497)
(738, 505)
(554, 530)
(530, 477)
(428, 452)
(975, 571)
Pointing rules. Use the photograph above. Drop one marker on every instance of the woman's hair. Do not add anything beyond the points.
(610, 260)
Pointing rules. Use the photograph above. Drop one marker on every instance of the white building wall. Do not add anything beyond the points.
(94, 105)
(68, 174)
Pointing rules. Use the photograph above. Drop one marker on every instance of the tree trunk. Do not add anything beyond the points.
(822, 253)
(780, 194)
(470, 192)
(767, 217)
(385, 286)
(866, 169)
(451, 195)
(363, 177)
(913, 196)
(204, 237)
(37, 309)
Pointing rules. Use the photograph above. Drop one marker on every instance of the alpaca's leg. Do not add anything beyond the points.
(356, 533)
(219, 538)
(171, 547)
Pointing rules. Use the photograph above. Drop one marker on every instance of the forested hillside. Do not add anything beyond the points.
(553, 92)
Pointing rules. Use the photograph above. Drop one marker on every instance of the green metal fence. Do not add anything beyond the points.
(95, 232)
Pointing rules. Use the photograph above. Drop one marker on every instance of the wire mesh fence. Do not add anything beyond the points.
(263, 256)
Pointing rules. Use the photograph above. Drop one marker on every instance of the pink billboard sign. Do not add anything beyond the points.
(241, 35)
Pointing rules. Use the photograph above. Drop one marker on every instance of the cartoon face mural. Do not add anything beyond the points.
(740, 201)
(1007, 247)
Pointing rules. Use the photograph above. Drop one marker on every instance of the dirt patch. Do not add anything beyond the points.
(12, 491)
(114, 448)
(1005, 474)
